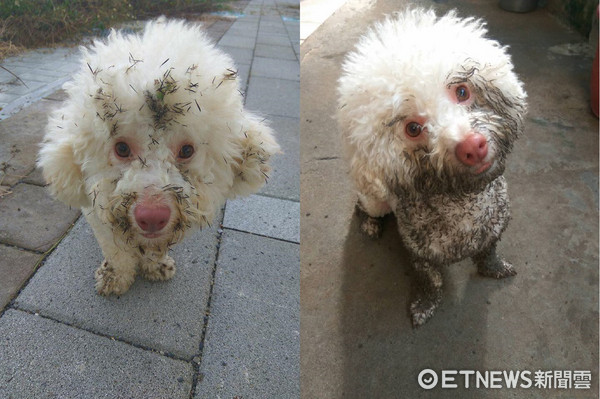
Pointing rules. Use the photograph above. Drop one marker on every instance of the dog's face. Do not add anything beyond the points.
(430, 104)
(154, 146)
(155, 184)
(166, 166)
(455, 133)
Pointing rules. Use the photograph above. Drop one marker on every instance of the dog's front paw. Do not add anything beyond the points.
(423, 308)
(158, 271)
(372, 227)
(109, 281)
(497, 268)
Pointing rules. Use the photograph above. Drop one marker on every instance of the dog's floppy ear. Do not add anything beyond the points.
(61, 170)
(250, 167)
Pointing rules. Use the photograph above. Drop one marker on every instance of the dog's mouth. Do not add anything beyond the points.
(480, 169)
(152, 235)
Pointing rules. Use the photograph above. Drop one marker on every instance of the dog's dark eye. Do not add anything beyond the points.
(122, 149)
(462, 93)
(186, 151)
(413, 129)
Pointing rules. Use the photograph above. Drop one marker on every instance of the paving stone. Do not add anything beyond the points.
(19, 89)
(270, 51)
(239, 55)
(270, 217)
(252, 343)
(251, 14)
(217, 29)
(237, 41)
(165, 316)
(16, 266)
(61, 65)
(7, 98)
(35, 177)
(243, 71)
(20, 136)
(45, 359)
(30, 218)
(244, 28)
(6, 77)
(284, 181)
(276, 40)
(276, 29)
(276, 68)
(58, 95)
(271, 23)
(278, 97)
(27, 72)
(17, 101)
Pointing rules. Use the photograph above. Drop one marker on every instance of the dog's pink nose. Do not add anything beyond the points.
(472, 150)
(152, 218)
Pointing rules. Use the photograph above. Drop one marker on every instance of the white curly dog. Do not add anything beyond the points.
(151, 141)
(429, 108)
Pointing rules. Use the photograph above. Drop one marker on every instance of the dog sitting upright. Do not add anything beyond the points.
(429, 109)
(151, 141)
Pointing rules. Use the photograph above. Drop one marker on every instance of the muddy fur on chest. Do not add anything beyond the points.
(443, 229)
(440, 229)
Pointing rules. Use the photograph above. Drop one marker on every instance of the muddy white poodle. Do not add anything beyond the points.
(429, 108)
(151, 141)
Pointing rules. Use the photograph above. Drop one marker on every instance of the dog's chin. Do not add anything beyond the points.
(151, 236)
(153, 239)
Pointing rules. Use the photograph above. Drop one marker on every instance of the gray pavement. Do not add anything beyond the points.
(227, 324)
(356, 337)
(43, 71)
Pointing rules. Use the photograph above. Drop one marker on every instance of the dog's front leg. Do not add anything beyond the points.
(116, 273)
(489, 264)
(158, 267)
(371, 213)
(428, 292)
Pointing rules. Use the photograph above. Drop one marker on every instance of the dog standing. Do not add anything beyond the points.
(429, 109)
(151, 141)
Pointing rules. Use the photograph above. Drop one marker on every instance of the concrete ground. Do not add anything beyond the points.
(227, 325)
(356, 337)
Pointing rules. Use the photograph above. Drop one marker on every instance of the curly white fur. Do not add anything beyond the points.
(122, 141)
(429, 109)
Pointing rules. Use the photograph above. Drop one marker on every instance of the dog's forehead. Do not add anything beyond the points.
(151, 116)
(164, 101)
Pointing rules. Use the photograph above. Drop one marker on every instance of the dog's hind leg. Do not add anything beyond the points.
(489, 264)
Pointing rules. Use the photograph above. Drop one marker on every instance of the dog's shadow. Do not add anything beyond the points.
(383, 354)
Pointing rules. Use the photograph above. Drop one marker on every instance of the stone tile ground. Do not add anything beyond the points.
(228, 322)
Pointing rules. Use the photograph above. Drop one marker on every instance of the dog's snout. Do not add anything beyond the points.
(152, 218)
(472, 150)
